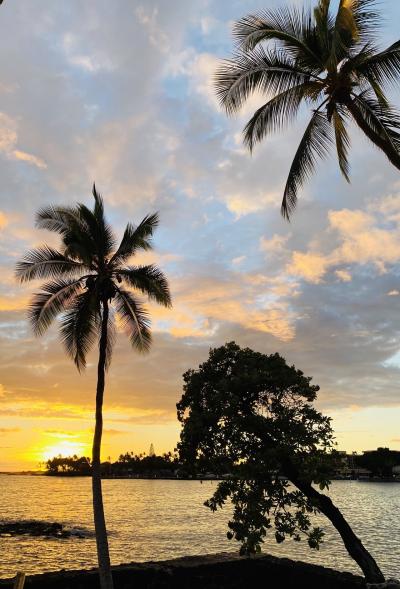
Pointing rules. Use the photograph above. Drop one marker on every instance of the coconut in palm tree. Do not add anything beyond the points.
(89, 282)
(328, 60)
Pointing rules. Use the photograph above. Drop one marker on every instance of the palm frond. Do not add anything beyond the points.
(355, 68)
(324, 24)
(107, 237)
(290, 27)
(80, 327)
(70, 224)
(57, 219)
(382, 119)
(345, 33)
(342, 142)
(270, 72)
(135, 318)
(46, 262)
(383, 67)
(52, 300)
(98, 204)
(368, 20)
(315, 143)
(102, 240)
(356, 25)
(136, 238)
(149, 280)
(278, 112)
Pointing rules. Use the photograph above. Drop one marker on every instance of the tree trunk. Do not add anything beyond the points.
(353, 544)
(392, 154)
(103, 556)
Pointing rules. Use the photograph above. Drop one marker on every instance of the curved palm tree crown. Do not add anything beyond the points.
(87, 272)
(328, 61)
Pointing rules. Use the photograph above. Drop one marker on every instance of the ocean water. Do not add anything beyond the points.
(163, 519)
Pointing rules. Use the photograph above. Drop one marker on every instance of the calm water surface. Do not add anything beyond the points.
(157, 520)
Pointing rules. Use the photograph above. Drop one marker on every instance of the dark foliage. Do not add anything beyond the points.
(244, 414)
(329, 61)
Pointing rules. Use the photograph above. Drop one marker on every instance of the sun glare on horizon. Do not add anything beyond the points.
(64, 448)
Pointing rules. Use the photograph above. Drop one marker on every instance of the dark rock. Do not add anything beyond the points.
(38, 528)
(221, 571)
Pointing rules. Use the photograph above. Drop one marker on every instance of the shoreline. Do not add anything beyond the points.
(216, 571)
(174, 478)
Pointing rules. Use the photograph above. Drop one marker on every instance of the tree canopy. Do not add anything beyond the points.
(87, 273)
(244, 414)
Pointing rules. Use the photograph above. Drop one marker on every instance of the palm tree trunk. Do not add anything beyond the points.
(103, 556)
(392, 154)
(353, 544)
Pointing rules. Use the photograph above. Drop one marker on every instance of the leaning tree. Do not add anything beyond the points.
(327, 60)
(90, 281)
(250, 417)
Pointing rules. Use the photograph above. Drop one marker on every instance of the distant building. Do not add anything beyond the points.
(151, 451)
(381, 463)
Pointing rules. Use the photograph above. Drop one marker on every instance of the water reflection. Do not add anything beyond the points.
(156, 520)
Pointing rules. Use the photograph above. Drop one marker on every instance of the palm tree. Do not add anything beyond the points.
(89, 282)
(328, 61)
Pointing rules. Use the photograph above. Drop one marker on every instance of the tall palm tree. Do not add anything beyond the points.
(89, 282)
(330, 62)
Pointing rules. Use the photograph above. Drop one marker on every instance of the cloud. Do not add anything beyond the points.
(275, 244)
(113, 432)
(343, 275)
(76, 56)
(9, 140)
(3, 220)
(309, 266)
(149, 18)
(241, 205)
(201, 73)
(360, 238)
(27, 157)
(201, 305)
(153, 136)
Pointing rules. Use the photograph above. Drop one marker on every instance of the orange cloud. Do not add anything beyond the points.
(310, 266)
(200, 306)
(363, 238)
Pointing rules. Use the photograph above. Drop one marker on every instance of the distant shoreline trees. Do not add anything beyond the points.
(128, 464)
(381, 464)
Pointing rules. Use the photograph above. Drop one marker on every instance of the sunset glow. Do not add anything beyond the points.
(65, 448)
(323, 291)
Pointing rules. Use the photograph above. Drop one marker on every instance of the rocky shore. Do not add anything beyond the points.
(220, 571)
(40, 528)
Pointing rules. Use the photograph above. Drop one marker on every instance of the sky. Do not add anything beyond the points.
(121, 93)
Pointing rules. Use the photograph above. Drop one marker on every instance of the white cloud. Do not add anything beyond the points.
(244, 204)
(91, 62)
(274, 245)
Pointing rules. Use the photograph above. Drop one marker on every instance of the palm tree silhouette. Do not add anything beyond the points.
(328, 61)
(89, 282)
